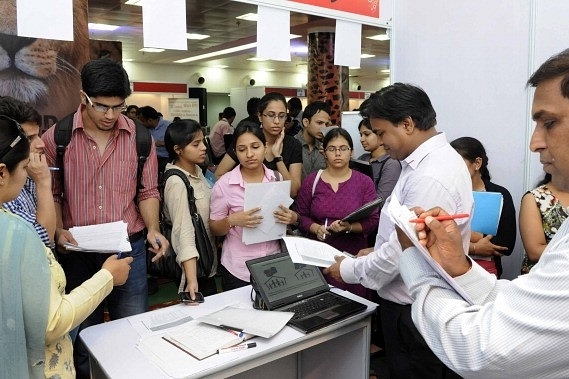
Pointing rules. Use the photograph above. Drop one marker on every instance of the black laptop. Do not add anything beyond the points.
(299, 288)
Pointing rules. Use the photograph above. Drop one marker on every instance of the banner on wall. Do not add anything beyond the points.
(184, 108)
(46, 73)
(362, 7)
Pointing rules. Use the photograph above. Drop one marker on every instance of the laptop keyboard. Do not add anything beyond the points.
(314, 305)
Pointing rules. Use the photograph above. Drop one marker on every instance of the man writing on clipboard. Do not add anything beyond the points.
(402, 116)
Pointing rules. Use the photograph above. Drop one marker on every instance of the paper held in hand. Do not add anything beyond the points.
(107, 238)
(311, 252)
(401, 215)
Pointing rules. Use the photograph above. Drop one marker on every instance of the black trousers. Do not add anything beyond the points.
(408, 355)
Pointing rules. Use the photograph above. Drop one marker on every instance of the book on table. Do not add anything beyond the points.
(201, 340)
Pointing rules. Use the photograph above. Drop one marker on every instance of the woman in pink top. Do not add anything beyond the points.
(227, 216)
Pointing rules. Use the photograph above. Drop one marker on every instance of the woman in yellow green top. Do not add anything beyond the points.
(35, 313)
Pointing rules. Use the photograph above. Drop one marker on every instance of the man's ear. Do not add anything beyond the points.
(3, 171)
(408, 124)
(305, 122)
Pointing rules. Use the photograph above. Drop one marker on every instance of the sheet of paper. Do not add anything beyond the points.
(268, 196)
(106, 238)
(162, 321)
(311, 252)
(401, 215)
(259, 323)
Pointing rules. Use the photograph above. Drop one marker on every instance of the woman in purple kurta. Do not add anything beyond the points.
(338, 192)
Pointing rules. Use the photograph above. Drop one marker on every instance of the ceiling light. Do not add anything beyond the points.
(266, 69)
(224, 51)
(220, 66)
(151, 50)
(196, 36)
(363, 56)
(379, 37)
(106, 27)
(134, 2)
(257, 59)
(354, 68)
(248, 17)
(127, 59)
(387, 71)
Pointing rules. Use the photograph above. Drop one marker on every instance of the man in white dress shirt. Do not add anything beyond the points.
(518, 328)
(432, 173)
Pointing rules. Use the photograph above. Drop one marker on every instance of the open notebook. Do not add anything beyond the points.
(299, 288)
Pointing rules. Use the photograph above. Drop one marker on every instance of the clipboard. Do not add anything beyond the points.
(364, 211)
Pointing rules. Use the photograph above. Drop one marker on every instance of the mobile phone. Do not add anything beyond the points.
(185, 297)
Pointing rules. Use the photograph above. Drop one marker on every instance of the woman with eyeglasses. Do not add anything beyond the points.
(283, 153)
(329, 195)
(227, 214)
(35, 313)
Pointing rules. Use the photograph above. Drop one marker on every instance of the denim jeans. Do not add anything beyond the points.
(126, 300)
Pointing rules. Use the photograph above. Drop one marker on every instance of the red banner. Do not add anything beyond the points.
(362, 7)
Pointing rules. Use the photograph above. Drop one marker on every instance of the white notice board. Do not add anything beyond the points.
(184, 108)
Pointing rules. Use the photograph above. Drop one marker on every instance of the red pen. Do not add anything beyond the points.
(441, 218)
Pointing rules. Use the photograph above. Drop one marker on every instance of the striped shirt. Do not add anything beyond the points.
(25, 206)
(101, 188)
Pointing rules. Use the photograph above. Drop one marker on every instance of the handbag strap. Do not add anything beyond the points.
(189, 189)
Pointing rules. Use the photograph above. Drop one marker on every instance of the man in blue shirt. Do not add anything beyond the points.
(150, 118)
(35, 202)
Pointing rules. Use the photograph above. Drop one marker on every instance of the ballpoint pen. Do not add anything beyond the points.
(244, 346)
(325, 227)
(441, 218)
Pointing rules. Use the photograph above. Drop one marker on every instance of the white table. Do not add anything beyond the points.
(340, 350)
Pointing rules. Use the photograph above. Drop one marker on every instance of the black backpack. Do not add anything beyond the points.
(62, 136)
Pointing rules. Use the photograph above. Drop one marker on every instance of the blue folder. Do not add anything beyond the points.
(487, 211)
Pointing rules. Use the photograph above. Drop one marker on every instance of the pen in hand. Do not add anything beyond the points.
(325, 227)
(441, 218)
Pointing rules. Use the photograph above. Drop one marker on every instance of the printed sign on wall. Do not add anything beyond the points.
(362, 7)
(184, 108)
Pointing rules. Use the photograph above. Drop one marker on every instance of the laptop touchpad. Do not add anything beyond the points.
(328, 314)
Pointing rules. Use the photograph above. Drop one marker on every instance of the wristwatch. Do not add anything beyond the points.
(278, 159)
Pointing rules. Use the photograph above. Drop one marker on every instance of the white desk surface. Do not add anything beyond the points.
(113, 345)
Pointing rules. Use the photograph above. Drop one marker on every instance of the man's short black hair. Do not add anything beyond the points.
(315, 107)
(148, 112)
(398, 101)
(105, 77)
(229, 113)
(18, 110)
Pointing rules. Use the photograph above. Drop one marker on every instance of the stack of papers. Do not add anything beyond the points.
(108, 238)
(306, 251)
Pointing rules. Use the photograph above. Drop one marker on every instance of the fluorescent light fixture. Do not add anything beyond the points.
(354, 68)
(224, 51)
(220, 66)
(105, 27)
(134, 2)
(196, 36)
(127, 59)
(266, 69)
(363, 56)
(151, 50)
(257, 59)
(379, 37)
(387, 71)
(248, 17)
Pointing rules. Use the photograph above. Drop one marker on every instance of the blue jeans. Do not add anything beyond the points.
(126, 300)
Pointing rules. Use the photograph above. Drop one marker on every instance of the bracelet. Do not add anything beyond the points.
(349, 231)
(473, 248)
(228, 223)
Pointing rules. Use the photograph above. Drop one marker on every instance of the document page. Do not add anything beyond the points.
(311, 252)
(268, 196)
(401, 215)
(110, 237)
(252, 321)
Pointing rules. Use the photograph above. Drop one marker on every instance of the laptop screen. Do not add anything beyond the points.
(281, 282)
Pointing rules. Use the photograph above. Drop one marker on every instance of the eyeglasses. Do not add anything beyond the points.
(21, 136)
(105, 108)
(342, 149)
(274, 116)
